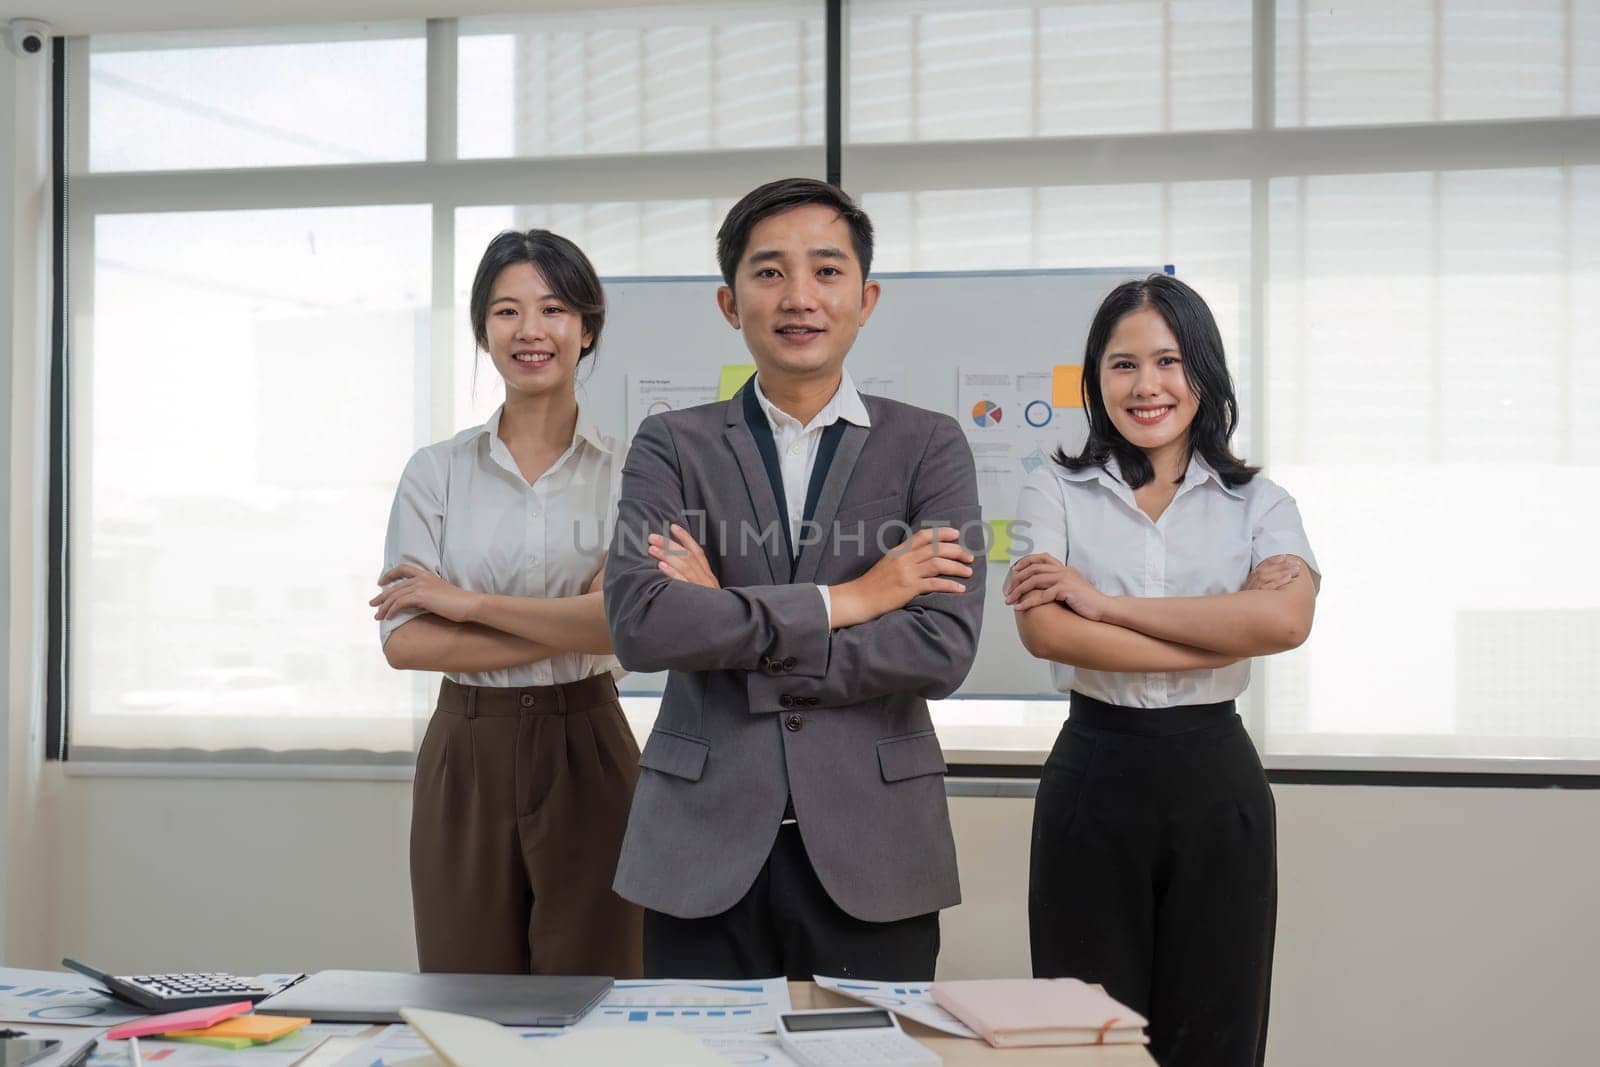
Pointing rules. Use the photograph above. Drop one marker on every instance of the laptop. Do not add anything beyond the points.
(378, 996)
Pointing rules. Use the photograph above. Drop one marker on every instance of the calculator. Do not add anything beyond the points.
(175, 992)
(869, 1037)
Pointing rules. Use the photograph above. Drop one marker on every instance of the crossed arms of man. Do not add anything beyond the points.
(910, 624)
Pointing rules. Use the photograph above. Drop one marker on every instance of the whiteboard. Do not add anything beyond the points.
(927, 329)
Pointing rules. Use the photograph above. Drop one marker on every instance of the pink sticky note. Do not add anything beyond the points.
(193, 1019)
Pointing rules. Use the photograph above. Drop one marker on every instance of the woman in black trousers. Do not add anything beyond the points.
(1162, 563)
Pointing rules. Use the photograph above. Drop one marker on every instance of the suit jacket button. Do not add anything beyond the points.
(786, 701)
(789, 662)
(793, 723)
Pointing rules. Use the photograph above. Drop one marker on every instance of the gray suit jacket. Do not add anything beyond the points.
(764, 701)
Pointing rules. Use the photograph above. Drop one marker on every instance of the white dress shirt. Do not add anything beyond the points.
(797, 450)
(464, 511)
(1206, 542)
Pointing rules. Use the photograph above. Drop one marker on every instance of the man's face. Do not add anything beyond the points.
(798, 294)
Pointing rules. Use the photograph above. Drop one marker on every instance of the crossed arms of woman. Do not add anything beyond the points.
(468, 631)
(1062, 617)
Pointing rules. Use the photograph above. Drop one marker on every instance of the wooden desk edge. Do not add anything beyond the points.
(955, 1051)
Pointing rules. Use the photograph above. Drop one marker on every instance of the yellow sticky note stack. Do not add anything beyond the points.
(1066, 385)
(734, 375)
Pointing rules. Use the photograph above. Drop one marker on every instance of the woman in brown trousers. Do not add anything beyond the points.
(492, 568)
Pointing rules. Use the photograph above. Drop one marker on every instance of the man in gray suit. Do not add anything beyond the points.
(807, 563)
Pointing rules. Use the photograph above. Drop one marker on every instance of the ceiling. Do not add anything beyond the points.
(72, 17)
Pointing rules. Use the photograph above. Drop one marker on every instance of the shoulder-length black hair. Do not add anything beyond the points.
(571, 276)
(1200, 345)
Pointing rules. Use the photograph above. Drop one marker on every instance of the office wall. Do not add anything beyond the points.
(9, 213)
(1417, 925)
(24, 327)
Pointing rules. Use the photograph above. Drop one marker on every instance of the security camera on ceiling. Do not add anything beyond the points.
(28, 37)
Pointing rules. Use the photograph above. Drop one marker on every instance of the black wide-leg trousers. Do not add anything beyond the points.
(1154, 872)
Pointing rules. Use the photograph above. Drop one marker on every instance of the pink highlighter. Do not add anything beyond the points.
(193, 1019)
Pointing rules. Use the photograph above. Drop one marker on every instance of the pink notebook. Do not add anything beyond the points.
(1009, 1012)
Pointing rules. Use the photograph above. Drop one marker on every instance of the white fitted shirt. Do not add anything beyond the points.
(797, 450)
(1207, 542)
(464, 511)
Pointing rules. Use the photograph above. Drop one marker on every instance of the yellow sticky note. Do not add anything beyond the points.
(1066, 385)
(734, 375)
(1000, 541)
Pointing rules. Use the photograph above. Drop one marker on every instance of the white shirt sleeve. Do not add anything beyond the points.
(827, 604)
(416, 527)
(1041, 522)
(1278, 531)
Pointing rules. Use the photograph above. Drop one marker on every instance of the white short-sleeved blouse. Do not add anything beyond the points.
(1207, 542)
(464, 511)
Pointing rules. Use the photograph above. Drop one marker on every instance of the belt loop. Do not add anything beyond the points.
(472, 701)
(561, 699)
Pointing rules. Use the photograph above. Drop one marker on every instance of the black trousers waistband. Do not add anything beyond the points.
(1148, 722)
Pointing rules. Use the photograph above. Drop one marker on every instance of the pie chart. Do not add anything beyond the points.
(985, 413)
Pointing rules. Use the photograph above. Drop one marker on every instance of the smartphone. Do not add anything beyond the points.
(16, 1051)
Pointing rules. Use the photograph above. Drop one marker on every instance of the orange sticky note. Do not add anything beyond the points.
(259, 1028)
(1066, 385)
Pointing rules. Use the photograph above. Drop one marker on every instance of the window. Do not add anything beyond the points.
(1392, 209)
(269, 98)
(1408, 313)
(291, 266)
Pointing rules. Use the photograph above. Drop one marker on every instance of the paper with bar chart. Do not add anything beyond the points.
(909, 1000)
(704, 1007)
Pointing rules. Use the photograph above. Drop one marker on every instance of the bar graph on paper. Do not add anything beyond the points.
(909, 1000)
(694, 1006)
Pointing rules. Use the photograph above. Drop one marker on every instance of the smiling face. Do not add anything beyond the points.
(1146, 393)
(798, 294)
(534, 338)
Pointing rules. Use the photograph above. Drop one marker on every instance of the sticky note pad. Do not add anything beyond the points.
(249, 1027)
(193, 1019)
(1000, 541)
(734, 375)
(231, 1043)
(1066, 385)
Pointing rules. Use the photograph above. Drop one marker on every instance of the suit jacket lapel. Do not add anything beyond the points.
(844, 464)
(765, 505)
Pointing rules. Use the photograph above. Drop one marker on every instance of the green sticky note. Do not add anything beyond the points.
(734, 375)
(233, 1044)
(1000, 542)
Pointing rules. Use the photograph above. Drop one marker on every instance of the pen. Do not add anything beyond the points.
(133, 1051)
(81, 1057)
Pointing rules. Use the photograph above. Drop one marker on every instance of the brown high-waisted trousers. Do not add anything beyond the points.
(520, 801)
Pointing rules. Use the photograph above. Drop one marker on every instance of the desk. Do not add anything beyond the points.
(956, 1051)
